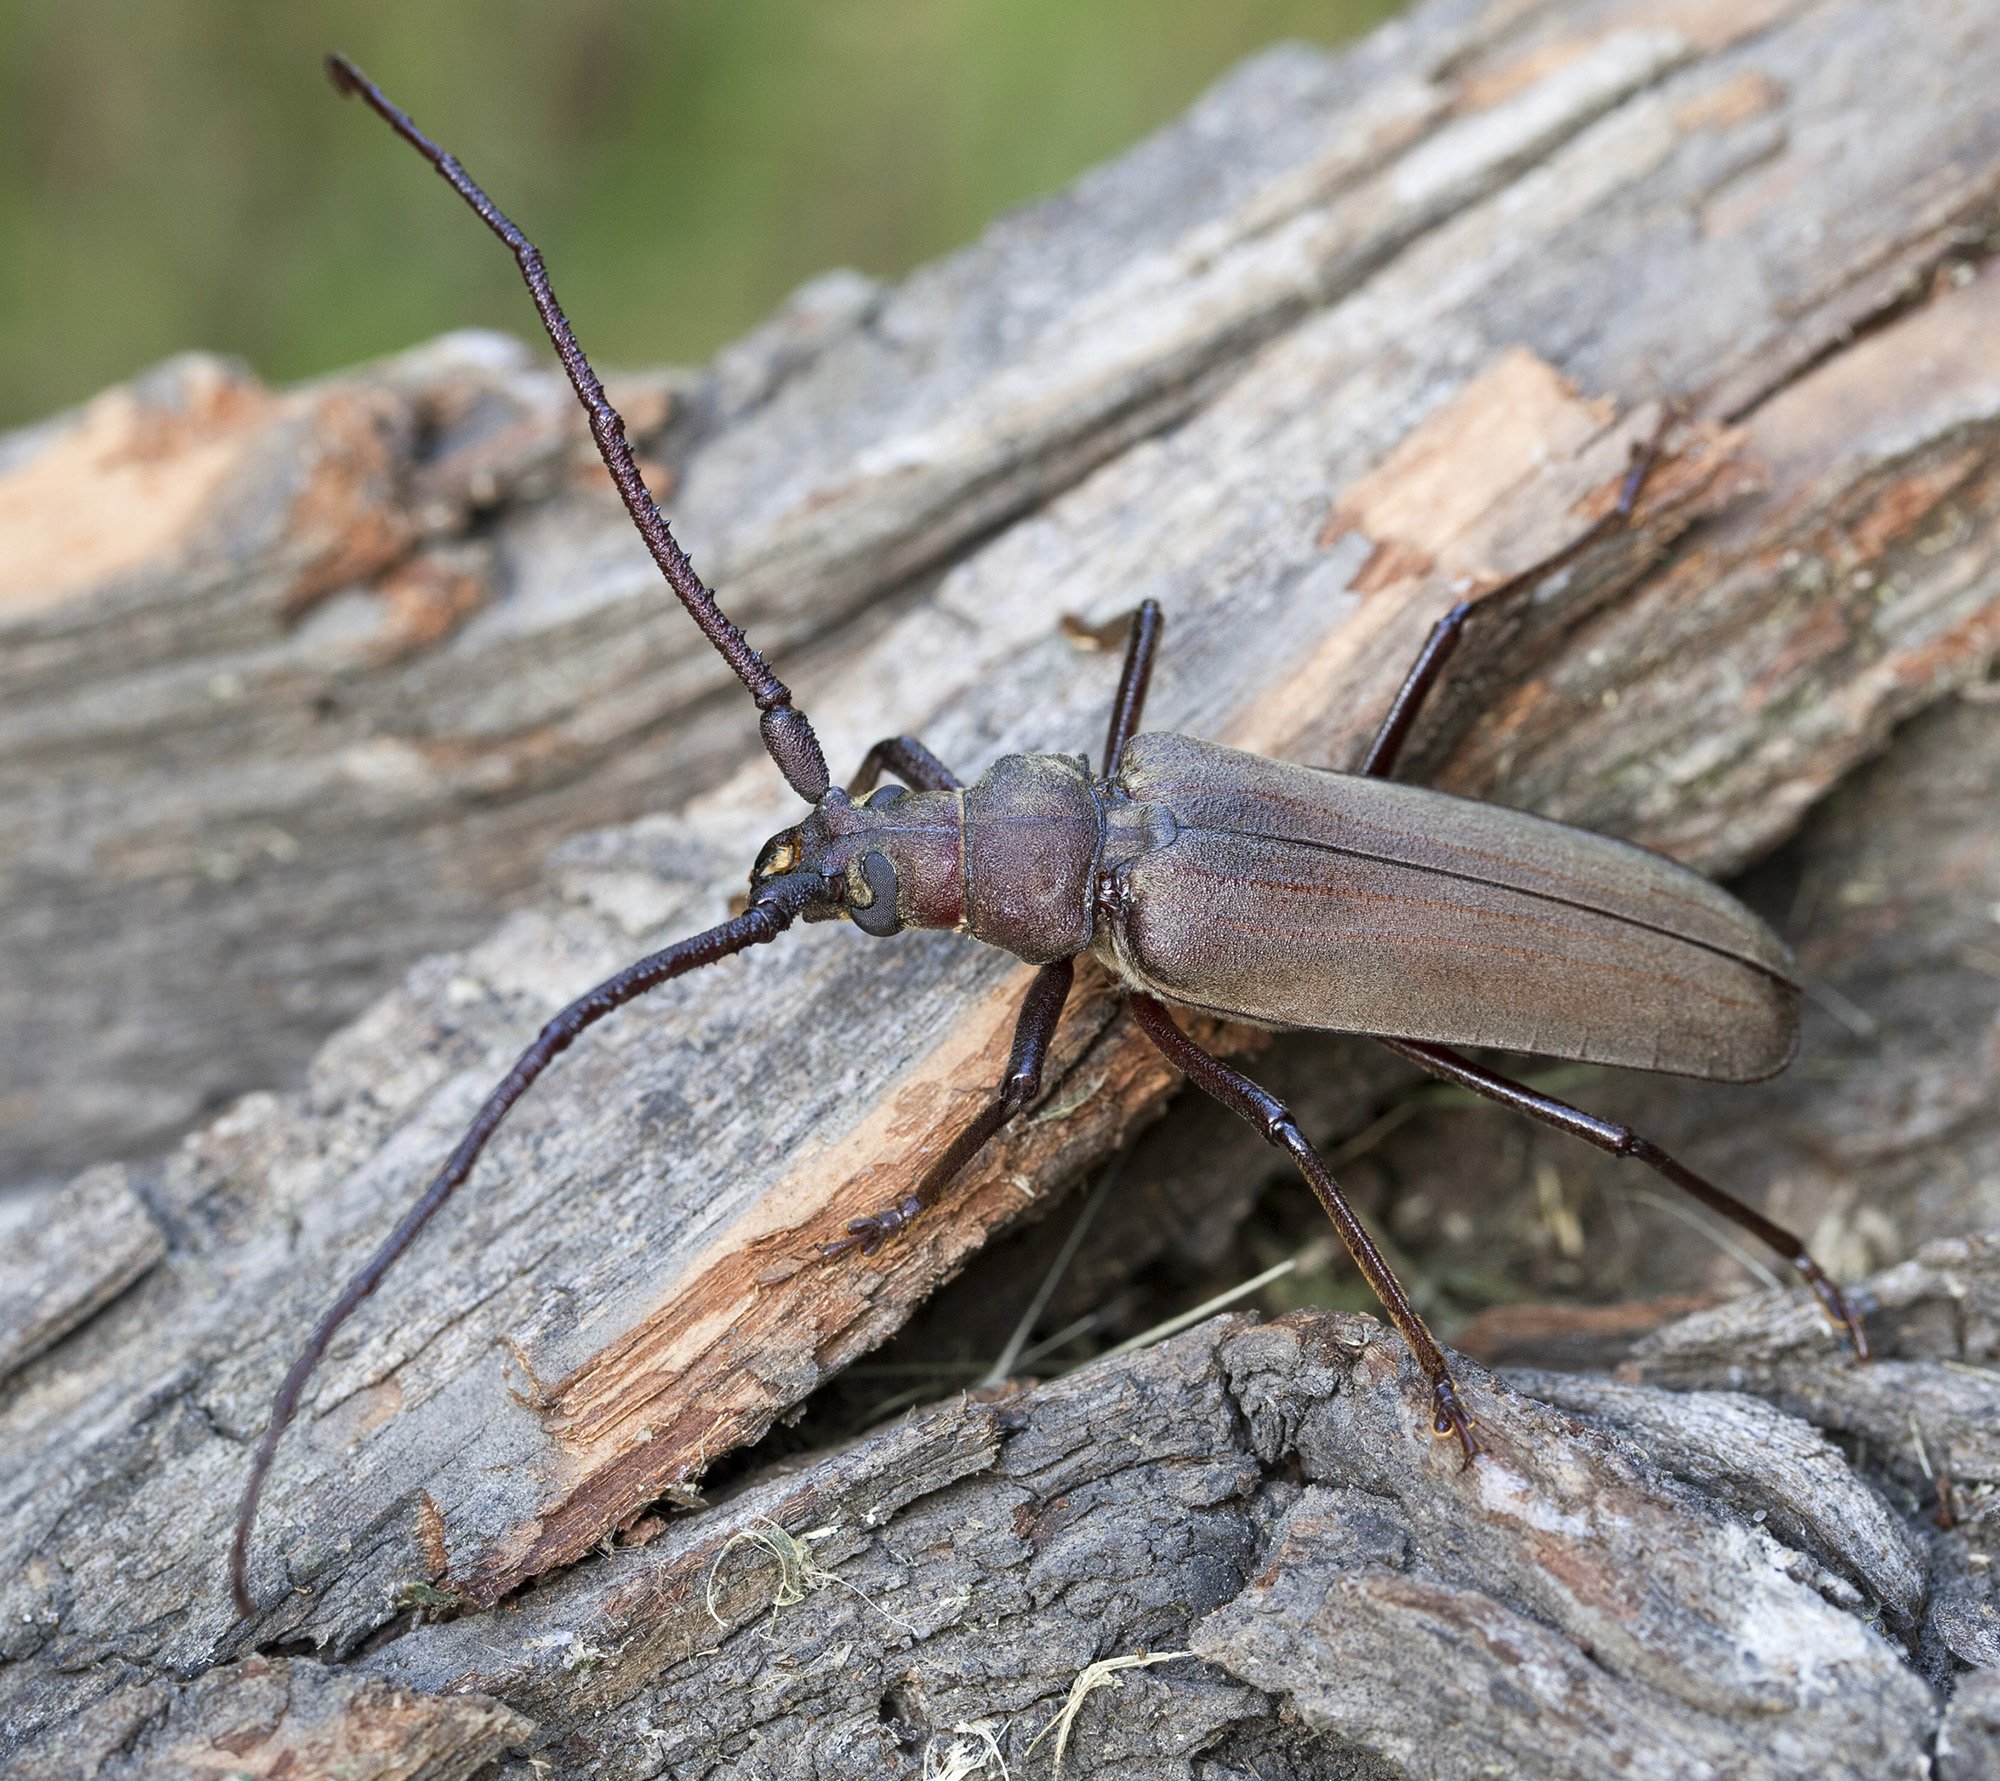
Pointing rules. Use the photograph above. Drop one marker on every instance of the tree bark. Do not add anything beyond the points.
(1360, 333)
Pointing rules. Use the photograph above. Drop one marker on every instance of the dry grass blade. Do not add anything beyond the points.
(977, 1752)
(799, 1574)
(1207, 1308)
(1010, 1355)
(1102, 1674)
(1695, 1222)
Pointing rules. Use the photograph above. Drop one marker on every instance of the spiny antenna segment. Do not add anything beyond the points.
(787, 734)
(778, 904)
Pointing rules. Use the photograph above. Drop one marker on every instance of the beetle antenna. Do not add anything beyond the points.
(778, 903)
(788, 736)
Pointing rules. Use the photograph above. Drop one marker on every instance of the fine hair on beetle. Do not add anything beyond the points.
(1204, 878)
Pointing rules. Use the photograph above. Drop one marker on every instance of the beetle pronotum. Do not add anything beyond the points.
(1253, 889)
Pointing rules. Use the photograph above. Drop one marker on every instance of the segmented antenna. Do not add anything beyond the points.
(787, 735)
(778, 903)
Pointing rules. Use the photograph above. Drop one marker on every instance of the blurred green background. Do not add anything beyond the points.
(178, 173)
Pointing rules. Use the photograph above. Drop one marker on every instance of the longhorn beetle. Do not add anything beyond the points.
(1248, 888)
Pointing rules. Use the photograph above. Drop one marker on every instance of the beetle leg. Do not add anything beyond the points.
(1438, 647)
(1271, 1116)
(1133, 680)
(909, 760)
(1410, 696)
(1622, 1141)
(1041, 1009)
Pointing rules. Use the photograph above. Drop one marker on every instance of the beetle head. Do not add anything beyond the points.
(893, 861)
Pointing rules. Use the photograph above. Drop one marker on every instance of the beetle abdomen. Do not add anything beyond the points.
(1297, 897)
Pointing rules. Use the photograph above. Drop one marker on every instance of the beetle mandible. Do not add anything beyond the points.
(1256, 890)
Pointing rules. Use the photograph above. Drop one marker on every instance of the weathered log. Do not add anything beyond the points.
(1256, 1511)
(1357, 339)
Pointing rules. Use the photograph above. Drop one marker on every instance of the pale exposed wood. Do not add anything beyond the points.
(290, 810)
(1300, 394)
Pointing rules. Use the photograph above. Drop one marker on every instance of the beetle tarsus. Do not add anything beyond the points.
(1041, 1009)
(870, 1233)
(1840, 1313)
(1404, 709)
(1449, 1420)
(1643, 455)
(1133, 680)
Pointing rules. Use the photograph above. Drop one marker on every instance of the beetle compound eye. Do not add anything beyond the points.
(886, 795)
(878, 916)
